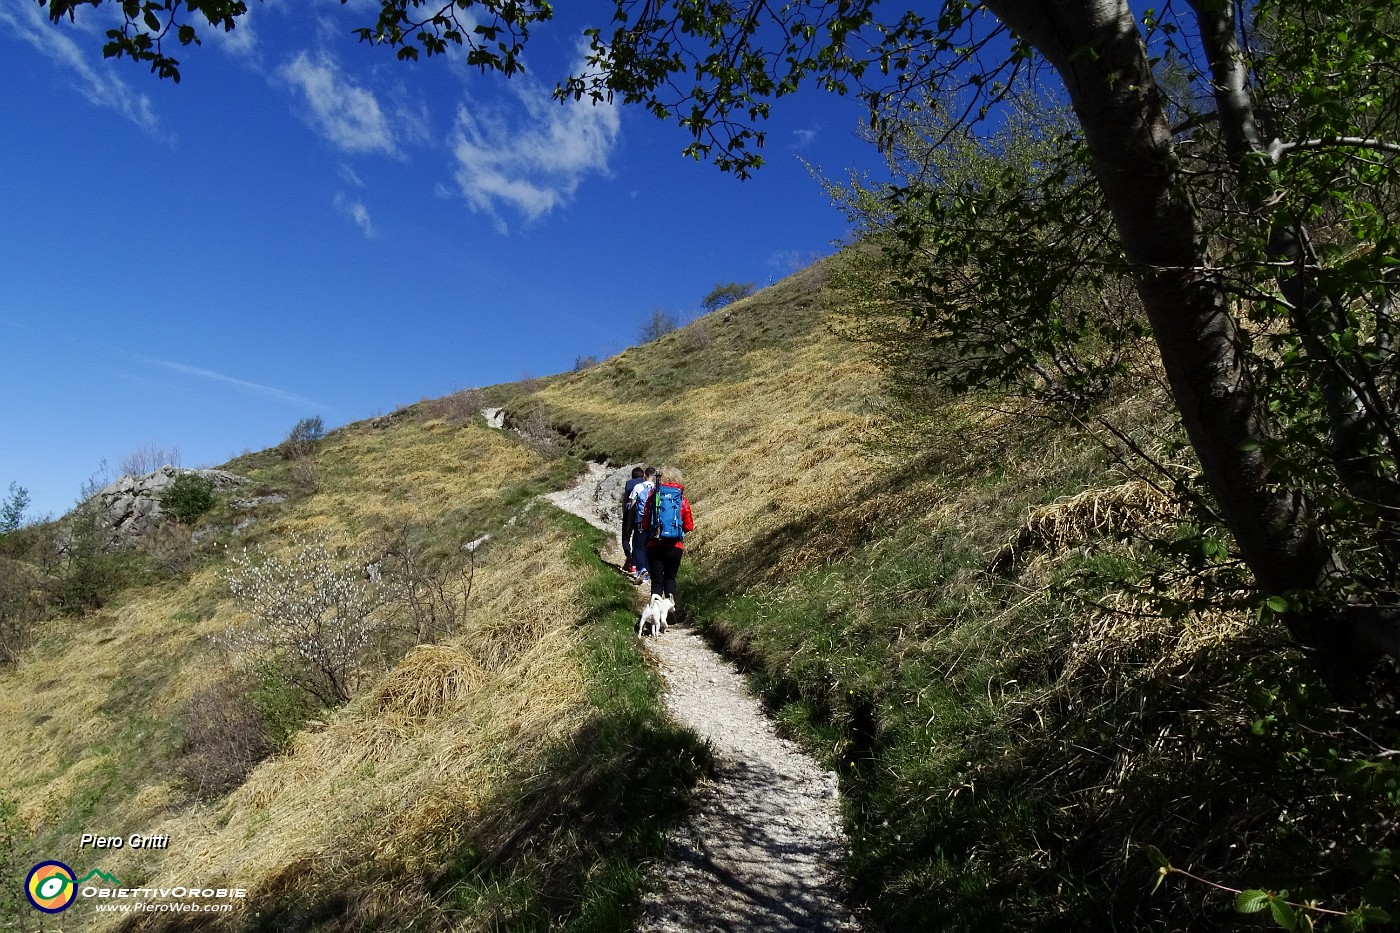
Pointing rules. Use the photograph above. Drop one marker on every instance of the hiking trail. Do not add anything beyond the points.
(761, 848)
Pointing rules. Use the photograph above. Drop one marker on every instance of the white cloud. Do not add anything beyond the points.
(345, 114)
(357, 212)
(803, 138)
(29, 22)
(241, 41)
(533, 159)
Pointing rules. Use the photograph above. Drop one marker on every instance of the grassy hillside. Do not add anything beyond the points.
(967, 633)
(957, 631)
(474, 782)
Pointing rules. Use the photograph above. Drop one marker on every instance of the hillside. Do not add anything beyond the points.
(1012, 728)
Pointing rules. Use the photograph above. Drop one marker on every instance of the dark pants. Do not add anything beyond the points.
(627, 533)
(664, 559)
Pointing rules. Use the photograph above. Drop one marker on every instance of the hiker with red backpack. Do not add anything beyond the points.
(665, 521)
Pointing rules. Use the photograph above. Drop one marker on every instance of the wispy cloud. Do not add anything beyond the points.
(241, 41)
(533, 159)
(803, 138)
(350, 176)
(240, 384)
(356, 211)
(347, 115)
(29, 22)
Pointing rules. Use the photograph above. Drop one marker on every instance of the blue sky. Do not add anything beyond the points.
(305, 226)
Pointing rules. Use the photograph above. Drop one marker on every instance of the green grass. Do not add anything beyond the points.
(1004, 759)
(598, 808)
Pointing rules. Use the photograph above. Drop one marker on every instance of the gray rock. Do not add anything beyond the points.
(130, 508)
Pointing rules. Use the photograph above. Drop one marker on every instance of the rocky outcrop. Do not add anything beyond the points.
(597, 495)
(131, 507)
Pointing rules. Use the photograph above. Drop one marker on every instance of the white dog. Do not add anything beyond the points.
(654, 615)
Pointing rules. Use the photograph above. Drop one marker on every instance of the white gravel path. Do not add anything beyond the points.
(762, 848)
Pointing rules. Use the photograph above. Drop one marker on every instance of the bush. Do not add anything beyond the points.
(301, 440)
(224, 739)
(540, 436)
(661, 323)
(457, 408)
(12, 509)
(722, 295)
(316, 616)
(430, 594)
(189, 497)
(20, 607)
(148, 458)
(304, 474)
(88, 573)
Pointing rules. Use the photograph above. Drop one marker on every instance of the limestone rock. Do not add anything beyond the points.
(130, 507)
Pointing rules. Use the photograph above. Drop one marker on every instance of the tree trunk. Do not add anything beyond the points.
(1095, 47)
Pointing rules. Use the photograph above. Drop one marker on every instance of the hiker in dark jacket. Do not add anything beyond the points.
(629, 520)
(665, 545)
(635, 505)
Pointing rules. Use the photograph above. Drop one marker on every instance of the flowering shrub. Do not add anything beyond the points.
(317, 615)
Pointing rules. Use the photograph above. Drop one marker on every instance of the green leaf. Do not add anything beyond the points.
(1277, 603)
(1284, 915)
(1155, 856)
(1251, 902)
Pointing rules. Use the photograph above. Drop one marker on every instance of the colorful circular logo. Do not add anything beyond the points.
(51, 887)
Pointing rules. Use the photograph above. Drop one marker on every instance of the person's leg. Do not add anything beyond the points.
(627, 536)
(639, 552)
(670, 559)
(656, 567)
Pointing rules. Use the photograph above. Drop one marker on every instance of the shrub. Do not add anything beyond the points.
(148, 458)
(722, 295)
(224, 739)
(459, 407)
(12, 509)
(169, 549)
(20, 607)
(301, 440)
(661, 323)
(188, 497)
(540, 436)
(88, 573)
(433, 596)
(316, 616)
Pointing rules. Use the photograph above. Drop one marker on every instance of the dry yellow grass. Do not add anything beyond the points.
(1125, 508)
(408, 474)
(395, 775)
(779, 446)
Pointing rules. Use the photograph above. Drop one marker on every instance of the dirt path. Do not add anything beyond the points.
(761, 850)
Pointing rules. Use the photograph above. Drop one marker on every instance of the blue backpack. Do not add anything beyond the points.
(666, 514)
(640, 494)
